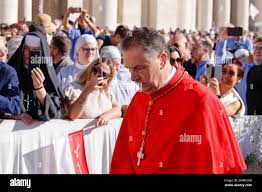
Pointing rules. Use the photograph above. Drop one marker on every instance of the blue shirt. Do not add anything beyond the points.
(9, 90)
(201, 69)
(222, 51)
(241, 87)
(73, 35)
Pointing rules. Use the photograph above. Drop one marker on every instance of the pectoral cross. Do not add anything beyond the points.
(140, 155)
(27, 102)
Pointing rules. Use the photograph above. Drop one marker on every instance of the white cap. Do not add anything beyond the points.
(32, 41)
(241, 53)
(110, 52)
(82, 40)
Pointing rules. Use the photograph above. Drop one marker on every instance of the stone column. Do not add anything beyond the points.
(162, 14)
(129, 12)
(9, 11)
(221, 12)
(25, 9)
(186, 14)
(240, 13)
(145, 13)
(87, 4)
(204, 14)
(258, 19)
(105, 12)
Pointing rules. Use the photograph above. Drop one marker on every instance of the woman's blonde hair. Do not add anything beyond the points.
(86, 74)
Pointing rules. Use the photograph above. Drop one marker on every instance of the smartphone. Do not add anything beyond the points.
(235, 31)
(218, 72)
(34, 59)
(76, 9)
(210, 71)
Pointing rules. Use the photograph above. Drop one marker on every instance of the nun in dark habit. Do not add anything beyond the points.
(40, 95)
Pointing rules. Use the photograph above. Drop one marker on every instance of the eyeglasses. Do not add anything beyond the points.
(257, 48)
(87, 50)
(97, 70)
(230, 73)
(178, 60)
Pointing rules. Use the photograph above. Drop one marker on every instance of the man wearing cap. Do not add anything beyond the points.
(45, 21)
(39, 92)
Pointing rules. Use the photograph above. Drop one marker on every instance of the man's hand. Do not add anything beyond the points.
(223, 35)
(25, 117)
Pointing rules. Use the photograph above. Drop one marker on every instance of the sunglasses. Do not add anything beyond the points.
(97, 70)
(230, 73)
(87, 50)
(178, 60)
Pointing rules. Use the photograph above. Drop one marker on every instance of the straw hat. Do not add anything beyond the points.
(46, 21)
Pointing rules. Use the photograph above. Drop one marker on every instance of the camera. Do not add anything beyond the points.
(34, 59)
(235, 31)
(213, 71)
(76, 9)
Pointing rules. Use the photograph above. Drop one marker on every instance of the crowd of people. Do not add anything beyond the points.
(85, 71)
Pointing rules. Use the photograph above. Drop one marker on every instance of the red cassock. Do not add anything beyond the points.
(187, 132)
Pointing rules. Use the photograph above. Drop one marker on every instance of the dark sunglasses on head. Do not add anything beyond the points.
(97, 70)
(230, 73)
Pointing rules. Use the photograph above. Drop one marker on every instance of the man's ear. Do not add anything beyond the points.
(163, 59)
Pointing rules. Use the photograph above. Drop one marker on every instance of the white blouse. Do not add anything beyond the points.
(95, 104)
(232, 97)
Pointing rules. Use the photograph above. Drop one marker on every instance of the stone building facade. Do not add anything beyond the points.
(185, 14)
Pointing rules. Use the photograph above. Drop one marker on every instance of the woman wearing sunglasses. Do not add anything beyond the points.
(232, 73)
(175, 56)
(90, 96)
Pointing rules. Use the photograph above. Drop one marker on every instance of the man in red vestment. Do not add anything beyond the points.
(174, 125)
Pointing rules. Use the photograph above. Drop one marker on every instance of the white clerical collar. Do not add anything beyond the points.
(79, 66)
(170, 77)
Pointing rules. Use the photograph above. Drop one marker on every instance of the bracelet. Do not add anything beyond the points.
(39, 88)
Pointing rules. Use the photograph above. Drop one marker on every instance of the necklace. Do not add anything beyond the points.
(141, 153)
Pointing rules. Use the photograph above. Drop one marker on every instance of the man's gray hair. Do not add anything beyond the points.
(148, 38)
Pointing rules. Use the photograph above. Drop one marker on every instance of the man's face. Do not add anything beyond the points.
(53, 50)
(26, 51)
(145, 69)
(117, 40)
(196, 53)
(258, 52)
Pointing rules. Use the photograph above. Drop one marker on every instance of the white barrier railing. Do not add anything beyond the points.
(41, 147)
